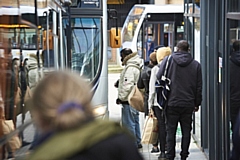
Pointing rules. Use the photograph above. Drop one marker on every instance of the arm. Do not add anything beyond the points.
(199, 89)
(140, 83)
(152, 82)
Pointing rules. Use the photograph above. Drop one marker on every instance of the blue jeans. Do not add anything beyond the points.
(130, 120)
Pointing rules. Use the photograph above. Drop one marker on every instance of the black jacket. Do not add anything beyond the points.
(186, 80)
(235, 79)
(143, 83)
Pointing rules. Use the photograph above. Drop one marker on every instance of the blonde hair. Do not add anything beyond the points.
(56, 89)
(163, 52)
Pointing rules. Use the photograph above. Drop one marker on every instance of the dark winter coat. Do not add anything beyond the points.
(235, 79)
(236, 140)
(186, 80)
(101, 140)
(143, 83)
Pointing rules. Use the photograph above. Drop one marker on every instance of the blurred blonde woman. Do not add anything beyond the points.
(152, 103)
(62, 111)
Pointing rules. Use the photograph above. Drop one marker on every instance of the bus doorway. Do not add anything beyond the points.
(155, 34)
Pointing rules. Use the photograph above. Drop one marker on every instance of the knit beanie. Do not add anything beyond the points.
(153, 57)
(163, 52)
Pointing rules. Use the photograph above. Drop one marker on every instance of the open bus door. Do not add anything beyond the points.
(158, 31)
(156, 34)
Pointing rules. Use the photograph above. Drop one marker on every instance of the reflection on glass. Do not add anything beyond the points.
(234, 63)
(131, 24)
(86, 45)
(233, 6)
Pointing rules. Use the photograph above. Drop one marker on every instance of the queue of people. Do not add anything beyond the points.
(66, 120)
(185, 97)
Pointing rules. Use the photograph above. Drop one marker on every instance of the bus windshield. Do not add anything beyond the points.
(131, 24)
(86, 45)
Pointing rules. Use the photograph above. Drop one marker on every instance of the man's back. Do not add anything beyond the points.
(186, 80)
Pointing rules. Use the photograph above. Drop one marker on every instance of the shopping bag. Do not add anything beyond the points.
(136, 99)
(14, 143)
(150, 130)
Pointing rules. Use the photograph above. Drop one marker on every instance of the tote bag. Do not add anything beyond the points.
(136, 99)
(150, 130)
(14, 143)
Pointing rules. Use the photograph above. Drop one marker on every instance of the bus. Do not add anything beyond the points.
(36, 39)
(72, 37)
(85, 36)
(148, 26)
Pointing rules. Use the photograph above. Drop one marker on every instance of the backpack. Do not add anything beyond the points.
(162, 86)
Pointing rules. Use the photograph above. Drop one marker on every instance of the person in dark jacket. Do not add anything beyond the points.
(234, 83)
(236, 140)
(143, 81)
(63, 114)
(184, 98)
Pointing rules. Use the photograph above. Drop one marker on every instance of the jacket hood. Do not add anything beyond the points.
(235, 58)
(132, 58)
(182, 58)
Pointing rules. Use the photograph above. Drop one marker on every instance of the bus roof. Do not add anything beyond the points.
(167, 8)
(23, 10)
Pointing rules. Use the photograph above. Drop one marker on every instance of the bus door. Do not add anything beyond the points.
(154, 34)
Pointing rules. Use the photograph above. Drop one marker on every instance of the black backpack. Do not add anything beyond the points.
(162, 86)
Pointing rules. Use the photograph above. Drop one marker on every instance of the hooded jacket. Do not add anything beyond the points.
(186, 80)
(129, 76)
(235, 79)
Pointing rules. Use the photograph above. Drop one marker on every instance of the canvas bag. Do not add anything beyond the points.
(162, 86)
(150, 130)
(14, 143)
(136, 99)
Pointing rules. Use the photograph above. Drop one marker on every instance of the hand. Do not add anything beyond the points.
(196, 109)
(116, 83)
(118, 101)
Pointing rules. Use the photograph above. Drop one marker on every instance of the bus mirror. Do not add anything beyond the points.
(115, 38)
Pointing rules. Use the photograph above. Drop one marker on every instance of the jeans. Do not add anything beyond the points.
(130, 120)
(183, 115)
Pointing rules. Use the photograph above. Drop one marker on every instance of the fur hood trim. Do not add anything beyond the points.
(128, 57)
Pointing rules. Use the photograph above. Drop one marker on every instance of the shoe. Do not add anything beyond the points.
(155, 150)
(140, 146)
(162, 156)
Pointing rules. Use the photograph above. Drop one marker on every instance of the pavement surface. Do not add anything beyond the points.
(115, 115)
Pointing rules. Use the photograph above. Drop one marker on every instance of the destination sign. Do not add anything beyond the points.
(90, 3)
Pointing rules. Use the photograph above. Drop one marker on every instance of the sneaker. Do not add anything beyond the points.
(140, 146)
(162, 156)
(155, 150)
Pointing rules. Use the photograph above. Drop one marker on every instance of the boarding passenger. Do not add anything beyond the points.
(152, 103)
(128, 78)
(143, 81)
(236, 140)
(234, 83)
(62, 111)
(184, 98)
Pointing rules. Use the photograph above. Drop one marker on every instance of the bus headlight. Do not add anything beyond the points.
(100, 111)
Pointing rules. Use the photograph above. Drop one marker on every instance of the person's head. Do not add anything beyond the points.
(183, 46)
(153, 58)
(163, 52)
(62, 100)
(125, 52)
(236, 45)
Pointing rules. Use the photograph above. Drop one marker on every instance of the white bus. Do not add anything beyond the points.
(148, 26)
(86, 53)
(88, 34)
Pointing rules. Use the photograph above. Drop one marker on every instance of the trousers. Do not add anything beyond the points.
(183, 115)
(130, 120)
